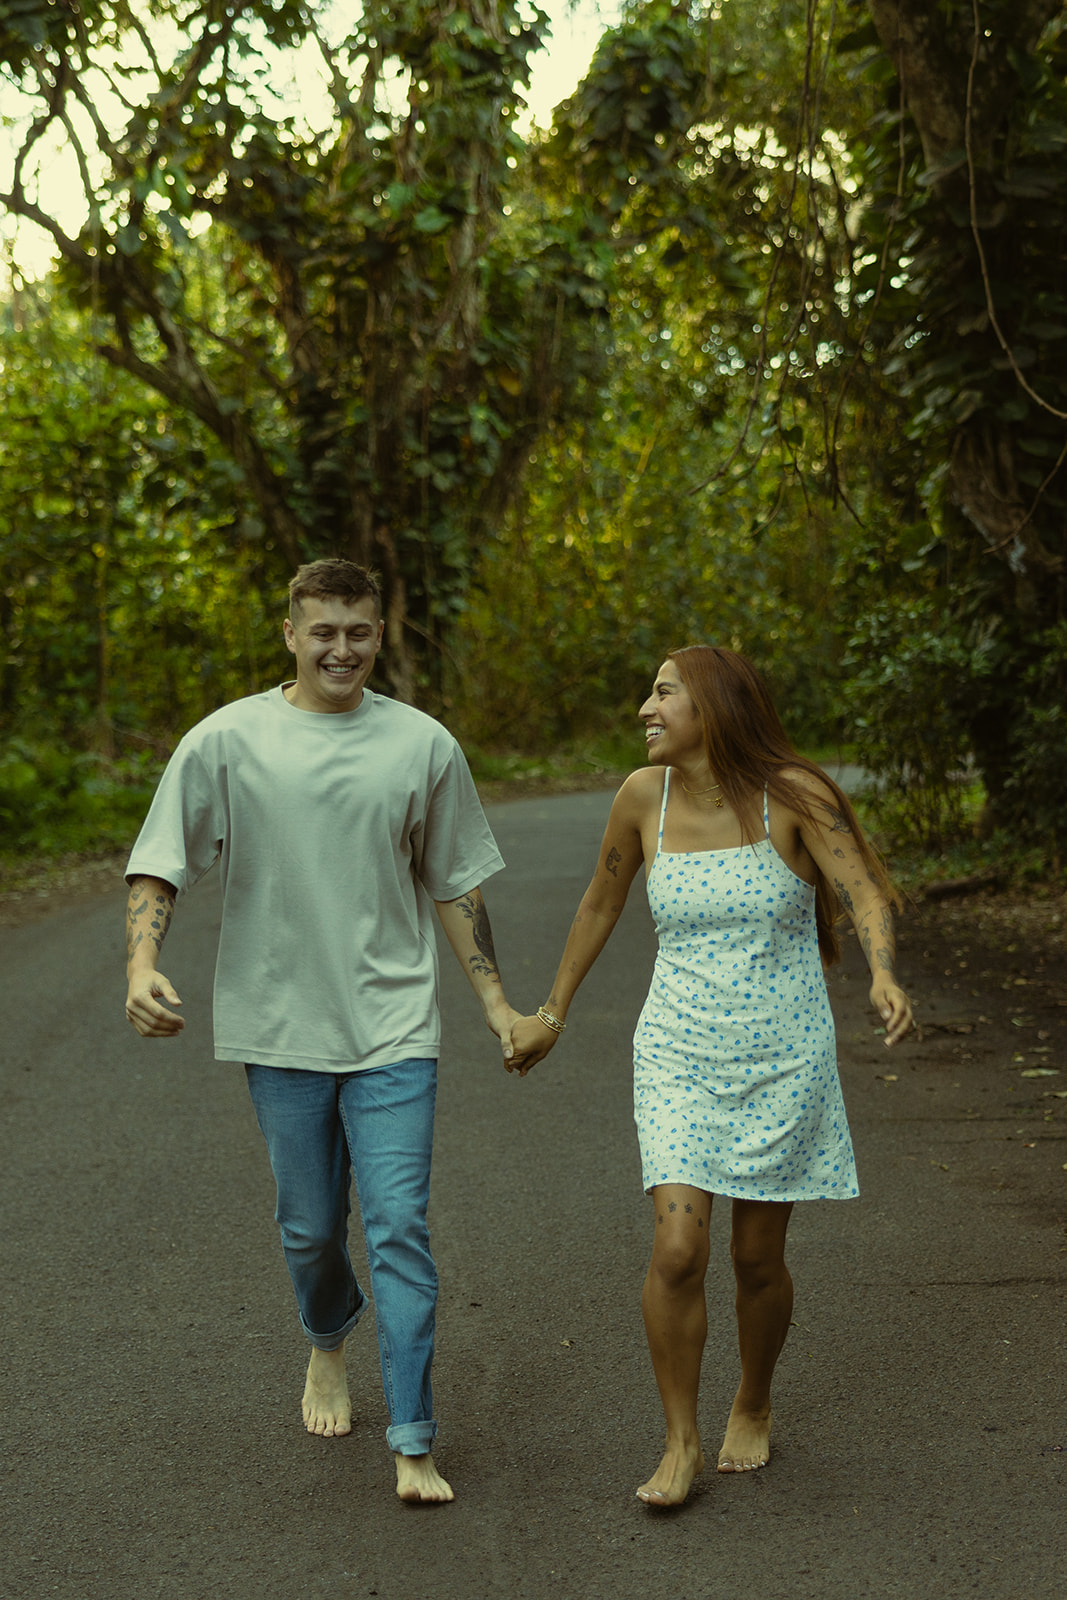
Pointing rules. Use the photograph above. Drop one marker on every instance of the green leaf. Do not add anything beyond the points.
(399, 195)
(1037, 446)
(1029, 183)
(128, 240)
(431, 219)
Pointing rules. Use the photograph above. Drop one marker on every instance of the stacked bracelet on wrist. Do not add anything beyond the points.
(550, 1021)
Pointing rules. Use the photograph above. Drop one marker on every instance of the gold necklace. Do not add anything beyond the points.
(702, 794)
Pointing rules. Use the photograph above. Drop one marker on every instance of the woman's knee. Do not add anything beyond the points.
(757, 1243)
(679, 1257)
(757, 1262)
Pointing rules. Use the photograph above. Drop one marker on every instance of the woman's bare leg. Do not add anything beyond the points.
(676, 1323)
(764, 1309)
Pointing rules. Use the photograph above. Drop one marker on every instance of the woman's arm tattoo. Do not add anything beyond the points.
(844, 897)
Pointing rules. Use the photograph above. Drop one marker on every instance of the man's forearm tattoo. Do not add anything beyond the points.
(155, 910)
(484, 963)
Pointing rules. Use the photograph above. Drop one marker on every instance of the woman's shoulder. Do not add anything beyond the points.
(810, 785)
(808, 779)
(642, 789)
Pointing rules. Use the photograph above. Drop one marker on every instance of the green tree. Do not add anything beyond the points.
(860, 289)
(131, 597)
(130, 603)
(735, 469)
(390, 343)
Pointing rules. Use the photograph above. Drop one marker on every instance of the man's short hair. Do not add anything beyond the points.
(334, 578)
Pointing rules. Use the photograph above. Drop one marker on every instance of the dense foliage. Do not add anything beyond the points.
(370, 345)
(760, 341)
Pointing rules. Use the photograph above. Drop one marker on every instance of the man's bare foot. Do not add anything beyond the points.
(327, 1408)
(669, 1484)
(747, 1444)
(417, 1479)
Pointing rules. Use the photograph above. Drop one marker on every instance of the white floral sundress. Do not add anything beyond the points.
(736, 1090)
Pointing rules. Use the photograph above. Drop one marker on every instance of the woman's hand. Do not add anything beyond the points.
(893, 1006)
(531, 1040)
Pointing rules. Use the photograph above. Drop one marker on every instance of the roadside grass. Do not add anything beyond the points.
(61, 815)
(965, 853)
(64, 821)
(598, 763)
(59, 810)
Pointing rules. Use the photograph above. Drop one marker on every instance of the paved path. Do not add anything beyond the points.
(151, 1443)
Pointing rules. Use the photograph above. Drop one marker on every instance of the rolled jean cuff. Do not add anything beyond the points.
(334, 1341)
(411, 1438)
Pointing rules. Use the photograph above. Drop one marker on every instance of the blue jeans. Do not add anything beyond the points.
(320, 1128)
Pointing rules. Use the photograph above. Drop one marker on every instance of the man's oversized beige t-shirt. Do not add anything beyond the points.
(333, 833)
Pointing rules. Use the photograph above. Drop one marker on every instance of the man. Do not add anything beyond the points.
(335, 815)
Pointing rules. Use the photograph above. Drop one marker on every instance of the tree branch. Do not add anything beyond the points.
(17, 203)
(180, 381)
(994, 321)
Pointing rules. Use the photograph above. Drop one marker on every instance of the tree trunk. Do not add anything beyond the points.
(931, 47)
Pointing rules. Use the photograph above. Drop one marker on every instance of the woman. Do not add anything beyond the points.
(750, 853)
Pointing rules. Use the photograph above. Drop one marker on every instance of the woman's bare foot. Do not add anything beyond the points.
(327, 1408)
(417, 1479)
(747, 1444)
(669, 1484)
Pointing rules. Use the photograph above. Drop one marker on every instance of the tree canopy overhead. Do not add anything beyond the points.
(384, 343)
(762, 339)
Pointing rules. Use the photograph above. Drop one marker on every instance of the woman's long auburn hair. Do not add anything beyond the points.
(748, 750)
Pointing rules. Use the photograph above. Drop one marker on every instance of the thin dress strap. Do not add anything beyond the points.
(663, 809)
(766, 814)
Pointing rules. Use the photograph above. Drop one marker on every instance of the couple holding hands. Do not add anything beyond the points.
(337, 817)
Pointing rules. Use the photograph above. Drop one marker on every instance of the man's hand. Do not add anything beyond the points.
(152, 1020)
(148, 913)
(500, 1018)
(531, 1040)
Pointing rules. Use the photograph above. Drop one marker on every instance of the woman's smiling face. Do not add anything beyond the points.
(673, 733)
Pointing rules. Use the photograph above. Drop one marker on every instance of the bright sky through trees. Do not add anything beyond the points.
(576, 27)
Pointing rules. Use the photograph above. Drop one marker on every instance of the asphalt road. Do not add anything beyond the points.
(151, 1439)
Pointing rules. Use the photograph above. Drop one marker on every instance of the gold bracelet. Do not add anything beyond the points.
(549, 1020)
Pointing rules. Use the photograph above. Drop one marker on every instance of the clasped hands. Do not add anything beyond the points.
(524, 1040)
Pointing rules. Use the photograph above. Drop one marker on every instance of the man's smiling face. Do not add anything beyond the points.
(336, 645)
